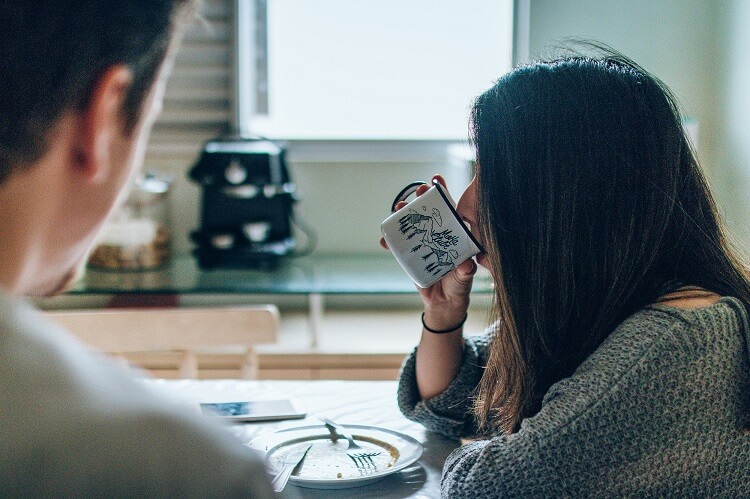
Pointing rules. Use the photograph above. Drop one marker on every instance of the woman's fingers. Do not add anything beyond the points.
(440, 179)
(467, 270)
(458, 282)
(422, 189)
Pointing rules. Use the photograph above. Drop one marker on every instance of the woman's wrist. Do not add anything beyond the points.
(443, 320)
(450, 329)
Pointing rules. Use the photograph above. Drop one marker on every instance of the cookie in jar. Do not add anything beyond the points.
(138, 235)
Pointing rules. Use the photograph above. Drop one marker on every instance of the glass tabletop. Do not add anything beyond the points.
(324, 274)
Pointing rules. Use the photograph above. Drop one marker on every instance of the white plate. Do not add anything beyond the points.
(327, 466)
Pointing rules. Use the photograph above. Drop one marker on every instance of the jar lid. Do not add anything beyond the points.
(151, 186)
(154, 182)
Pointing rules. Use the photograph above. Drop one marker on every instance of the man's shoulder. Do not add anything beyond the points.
(70, 416)
(41, 361)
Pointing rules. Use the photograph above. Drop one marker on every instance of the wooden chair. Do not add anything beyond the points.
(184, 330)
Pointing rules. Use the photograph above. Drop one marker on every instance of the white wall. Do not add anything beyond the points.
(346, 202)
(676, 40)
(732, 175)
(700, 49)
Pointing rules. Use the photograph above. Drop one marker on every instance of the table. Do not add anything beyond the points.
(313, 276)
(354, 402)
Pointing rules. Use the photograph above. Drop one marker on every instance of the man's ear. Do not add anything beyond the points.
(102, 122)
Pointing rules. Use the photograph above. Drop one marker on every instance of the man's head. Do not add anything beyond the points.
(81, 84)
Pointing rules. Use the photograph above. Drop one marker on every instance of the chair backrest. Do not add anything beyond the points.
(122, 331)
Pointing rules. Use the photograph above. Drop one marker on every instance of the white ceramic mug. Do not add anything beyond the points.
(427, 236)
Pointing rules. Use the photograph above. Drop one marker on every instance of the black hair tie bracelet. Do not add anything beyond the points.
(444, 331)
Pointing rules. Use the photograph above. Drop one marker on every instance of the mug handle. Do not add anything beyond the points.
(405, 193)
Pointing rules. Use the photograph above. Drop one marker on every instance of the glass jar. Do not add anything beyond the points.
(138, 235)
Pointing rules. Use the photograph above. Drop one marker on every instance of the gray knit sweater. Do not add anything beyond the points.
(657, 410)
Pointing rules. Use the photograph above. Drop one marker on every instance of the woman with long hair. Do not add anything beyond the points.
(617, 362)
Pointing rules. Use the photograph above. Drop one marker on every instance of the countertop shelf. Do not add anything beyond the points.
(314, 277)
(314, 274)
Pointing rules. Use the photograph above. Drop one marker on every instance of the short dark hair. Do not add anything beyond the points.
(592, 205)
(52, 53)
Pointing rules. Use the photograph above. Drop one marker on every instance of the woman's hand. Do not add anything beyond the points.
(446, 301)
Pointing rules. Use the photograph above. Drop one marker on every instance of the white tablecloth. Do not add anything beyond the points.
(353, 402)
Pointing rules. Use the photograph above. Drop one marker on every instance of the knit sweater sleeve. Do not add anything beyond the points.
(494, 468)
(448, 413)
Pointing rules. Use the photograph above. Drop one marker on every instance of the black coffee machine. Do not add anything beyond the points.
(247, 205)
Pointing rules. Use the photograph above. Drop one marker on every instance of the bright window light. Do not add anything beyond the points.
(376, 69)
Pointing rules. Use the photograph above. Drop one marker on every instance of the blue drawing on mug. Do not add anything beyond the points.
(437, 243)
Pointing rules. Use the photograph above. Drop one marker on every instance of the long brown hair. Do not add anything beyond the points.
(592, 205)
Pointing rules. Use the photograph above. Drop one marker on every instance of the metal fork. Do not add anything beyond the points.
(362, 457)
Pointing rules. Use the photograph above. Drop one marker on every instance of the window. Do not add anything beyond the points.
(367, 69)
(235, 48)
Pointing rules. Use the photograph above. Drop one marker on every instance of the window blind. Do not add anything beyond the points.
(197, 101)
